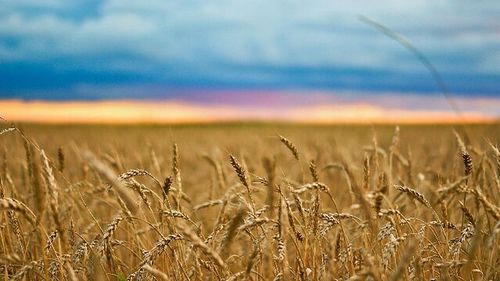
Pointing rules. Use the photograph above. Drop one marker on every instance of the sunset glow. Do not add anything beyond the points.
(130, 111)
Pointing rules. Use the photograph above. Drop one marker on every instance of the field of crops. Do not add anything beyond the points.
(249, 202)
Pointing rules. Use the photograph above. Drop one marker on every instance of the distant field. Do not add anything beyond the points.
(340, 202)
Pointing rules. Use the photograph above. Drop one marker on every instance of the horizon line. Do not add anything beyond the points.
(131, 111)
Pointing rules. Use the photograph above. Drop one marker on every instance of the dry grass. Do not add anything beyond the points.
(249, 202)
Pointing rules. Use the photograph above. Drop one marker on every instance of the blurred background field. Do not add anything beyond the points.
(432, 146)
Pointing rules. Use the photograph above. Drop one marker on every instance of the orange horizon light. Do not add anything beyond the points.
(134, 111)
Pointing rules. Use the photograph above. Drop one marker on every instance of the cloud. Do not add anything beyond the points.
(266, 43)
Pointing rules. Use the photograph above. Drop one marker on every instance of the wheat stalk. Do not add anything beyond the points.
(414, 195)
(15, 205)
(290, 146)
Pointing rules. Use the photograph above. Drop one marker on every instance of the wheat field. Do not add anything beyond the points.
(249, 202)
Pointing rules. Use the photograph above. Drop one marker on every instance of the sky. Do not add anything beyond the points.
(259, 55)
